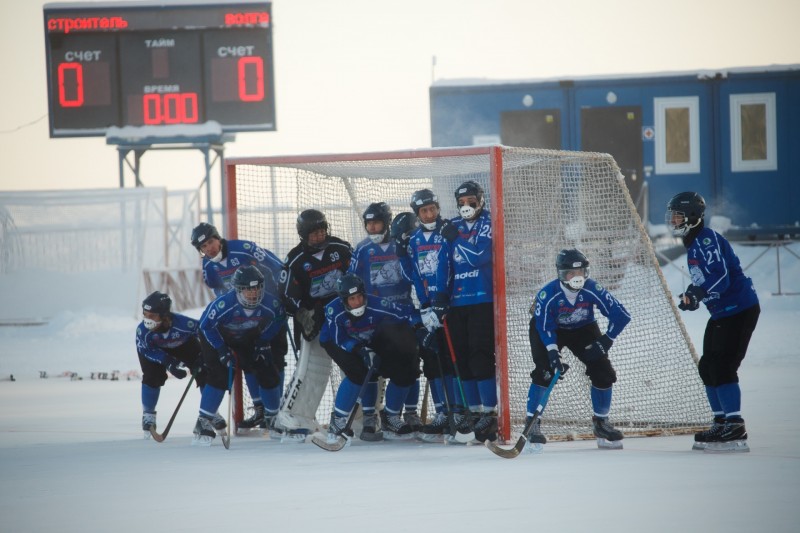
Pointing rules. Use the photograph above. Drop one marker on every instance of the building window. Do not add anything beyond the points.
(677, 128)
(753, 132)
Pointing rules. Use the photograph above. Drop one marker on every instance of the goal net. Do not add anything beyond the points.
(541, 201)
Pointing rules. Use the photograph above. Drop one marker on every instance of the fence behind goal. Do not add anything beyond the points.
(541, 201)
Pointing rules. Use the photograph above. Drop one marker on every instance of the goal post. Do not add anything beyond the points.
(540, 201)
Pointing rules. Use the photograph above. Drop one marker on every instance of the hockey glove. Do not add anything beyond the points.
(263, 353)
(449, 231)
(369, 357)
(690, 300)
(429, 319)
(175, 369)
(598, 349)
(401, 246)
(440, 306)
(555, 362)
(225, 356)
(425, 338)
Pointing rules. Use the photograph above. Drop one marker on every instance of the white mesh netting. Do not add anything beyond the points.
(550, 200)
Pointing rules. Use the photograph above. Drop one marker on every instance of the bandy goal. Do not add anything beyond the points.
(541, 201)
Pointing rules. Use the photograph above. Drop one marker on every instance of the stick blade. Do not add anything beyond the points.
(156, 436)
(339, 444)
(507, 453)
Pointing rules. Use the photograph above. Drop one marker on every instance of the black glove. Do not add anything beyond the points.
(440, 306)
(425, 338)
(694, 295)
(449, 231)
(598, 348)
(225, 356)
(263, 353)
(369, 357)
(173, 365)
(401, 246)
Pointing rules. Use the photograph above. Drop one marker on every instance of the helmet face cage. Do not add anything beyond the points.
(347, 286)
(469, 188)
(684, 211)
(403, 225)
(202, 233)
(248, 282)
(378, 211)
(570, 261)
(310, 221)
(157, 303)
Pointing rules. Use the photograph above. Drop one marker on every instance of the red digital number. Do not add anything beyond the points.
(257, 64)
(70, 76)
(170, 108)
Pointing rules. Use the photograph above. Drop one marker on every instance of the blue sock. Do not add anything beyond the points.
(713, 401)
(150, 398)
(394, 397)
(412, 398)
(252, 385)
(488, 392)
(730, 398)
(370, 397)
(271, 398)
(535, 395)
(346, 397)
(437, 393)
(601, 401)
(211, 399)
(453, 392)
(472, 394)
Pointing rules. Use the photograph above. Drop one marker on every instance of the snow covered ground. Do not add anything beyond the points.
(72, 457)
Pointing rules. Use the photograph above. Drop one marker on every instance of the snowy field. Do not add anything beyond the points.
(72, 457)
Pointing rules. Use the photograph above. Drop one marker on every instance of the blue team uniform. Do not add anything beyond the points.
(225, 321)
(238, 253)
(151, 344)
(714, 267)
(347, 331)
(431, 269)
(381, 270)
(469, 262)
(554, 311)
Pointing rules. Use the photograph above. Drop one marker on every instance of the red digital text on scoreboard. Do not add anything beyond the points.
(69, 24)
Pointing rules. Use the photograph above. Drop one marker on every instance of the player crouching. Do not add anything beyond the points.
(363, 331)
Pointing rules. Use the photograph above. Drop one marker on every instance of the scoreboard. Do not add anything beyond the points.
(158, 63)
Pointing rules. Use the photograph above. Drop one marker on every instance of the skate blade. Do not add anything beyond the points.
(250, 432)
(605, 444)
(388, 435)
(699, 446)
(533, 448)
(433, 438)
(202, 440)
(371, 437)
(450, 439)
(735, 446)
(147, 435)
(293, 438)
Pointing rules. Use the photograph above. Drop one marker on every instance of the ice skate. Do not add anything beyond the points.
(435, 430)
(256, 421)
(608, 437)
(731, 439)
(702, 438)
(486, 427)
(412, 419)
(204, 432)
(148, 423)
(394, 427)
(535, 437)
(370, 431)
(219, 424)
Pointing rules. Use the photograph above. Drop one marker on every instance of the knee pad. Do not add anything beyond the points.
(538, 377)
(704, 369)
(601, 373)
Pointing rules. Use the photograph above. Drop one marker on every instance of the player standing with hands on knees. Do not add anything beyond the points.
(563, 315)
(730, 297)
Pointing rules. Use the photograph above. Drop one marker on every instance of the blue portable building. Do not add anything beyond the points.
(732, 135)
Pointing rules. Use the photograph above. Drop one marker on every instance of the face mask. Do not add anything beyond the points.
(468, 211)
(358, 311)
(376, 238)
(217, 258)
(151, 324)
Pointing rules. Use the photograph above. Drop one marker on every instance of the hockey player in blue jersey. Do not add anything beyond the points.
(563, 315)
(424, 247)
(730, 297)
(376, 262)
(239, 326)
(469, 304)
(361, 331)
(165, 341)
(221, 258)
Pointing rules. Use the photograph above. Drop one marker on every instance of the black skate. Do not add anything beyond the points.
(256, 421)
(394, 427)
(535, 437)
(370, 431)
(486, 427)
(608, 437)
(412, 419)
(732, 438)
(702, 438)
(148, 423)
(204, 432)
(435, 430)
(219, 424)
(464, 429)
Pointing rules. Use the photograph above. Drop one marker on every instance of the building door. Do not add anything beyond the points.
(617, 131)
(531, 128)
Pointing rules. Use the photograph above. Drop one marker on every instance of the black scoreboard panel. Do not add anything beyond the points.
(150, 64)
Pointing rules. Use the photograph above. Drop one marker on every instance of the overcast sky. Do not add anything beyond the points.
(354, 75)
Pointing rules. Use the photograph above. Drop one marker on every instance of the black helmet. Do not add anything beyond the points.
(310, 221)
(202, 233)
(246, 278)
(402, 225)
(420, 199)
(348, 285)
(469, 188)
(157, 302)
(378, 211)
(568, 260)
(684, 212)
